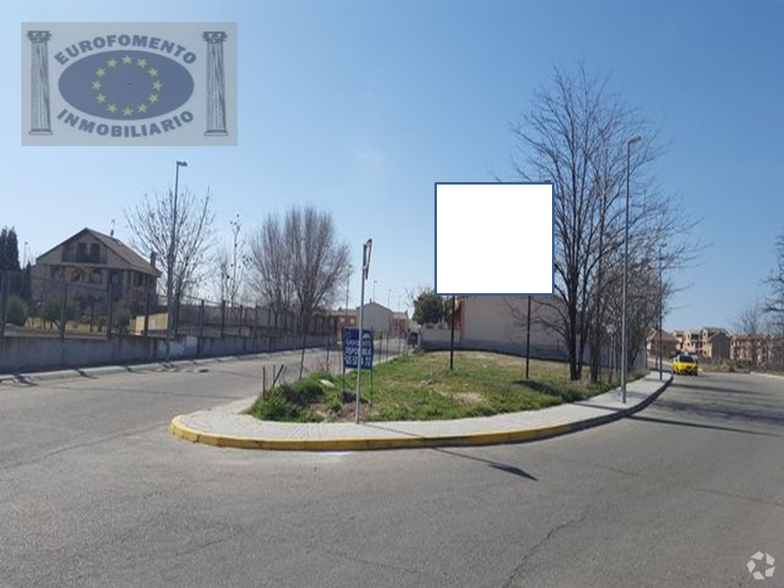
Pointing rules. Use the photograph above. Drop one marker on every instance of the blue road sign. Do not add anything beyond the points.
(351, 348)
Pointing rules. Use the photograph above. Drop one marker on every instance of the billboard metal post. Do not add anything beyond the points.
(343, 341)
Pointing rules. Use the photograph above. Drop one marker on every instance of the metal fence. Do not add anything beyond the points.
(35, 306)
(32, 305)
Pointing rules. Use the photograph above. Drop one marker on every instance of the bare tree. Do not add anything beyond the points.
(270, 266)
(220, 283)
(576, 137)
(298, 263)
(318, 260)
(749, 324)
(229, 263)
(151, 224)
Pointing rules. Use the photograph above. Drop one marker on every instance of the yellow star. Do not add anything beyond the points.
(112, 108)
(127, 59)
(96, 85)
(153, 98)
(111, 63)
(127, 111)
(142, 107)
(101, 72)
(101, 98)
(153, 72)
(157, 85)
(142, 63)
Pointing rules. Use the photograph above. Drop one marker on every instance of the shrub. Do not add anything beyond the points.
(17, 311)
(52, 309)
(122, 318)
(305, 392)
(334, 403)
(276, 408)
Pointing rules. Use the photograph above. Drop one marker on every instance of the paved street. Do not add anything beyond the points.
(94, 491)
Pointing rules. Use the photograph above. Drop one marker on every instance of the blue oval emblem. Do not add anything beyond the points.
(126, 85)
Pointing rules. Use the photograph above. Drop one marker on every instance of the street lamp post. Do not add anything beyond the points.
(661, 309)
(624, 334)
(172, 262)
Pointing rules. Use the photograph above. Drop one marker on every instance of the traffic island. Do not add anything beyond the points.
(231, 426)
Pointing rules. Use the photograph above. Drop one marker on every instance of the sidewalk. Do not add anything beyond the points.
(229, 426)
(156, 366)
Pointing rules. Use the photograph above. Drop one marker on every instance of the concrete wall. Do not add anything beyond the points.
(439, 339)
(502, 321)
(498, 323)
(24, 354)
(375, 317)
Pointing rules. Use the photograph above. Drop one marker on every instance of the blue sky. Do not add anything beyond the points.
(359, 107)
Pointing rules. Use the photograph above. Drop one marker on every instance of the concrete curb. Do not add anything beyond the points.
(764, 375)
(179, 429)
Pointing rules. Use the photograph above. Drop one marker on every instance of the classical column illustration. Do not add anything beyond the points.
(39, 89)
(216, 85)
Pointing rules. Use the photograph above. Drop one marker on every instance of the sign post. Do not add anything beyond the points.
(366, 251)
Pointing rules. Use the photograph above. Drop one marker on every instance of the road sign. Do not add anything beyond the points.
(351, 348)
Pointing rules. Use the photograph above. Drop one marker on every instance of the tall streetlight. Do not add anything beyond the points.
(661, 309)
(172, 263)
(624, 338)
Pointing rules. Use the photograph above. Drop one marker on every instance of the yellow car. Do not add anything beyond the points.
(684, 364)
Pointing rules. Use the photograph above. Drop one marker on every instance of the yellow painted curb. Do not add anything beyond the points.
(357, 444)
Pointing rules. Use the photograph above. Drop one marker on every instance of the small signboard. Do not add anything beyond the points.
(351, 348)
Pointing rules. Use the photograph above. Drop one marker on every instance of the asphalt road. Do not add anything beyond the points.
(95, 492)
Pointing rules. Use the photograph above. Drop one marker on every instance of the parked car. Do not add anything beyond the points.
(685, 364)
